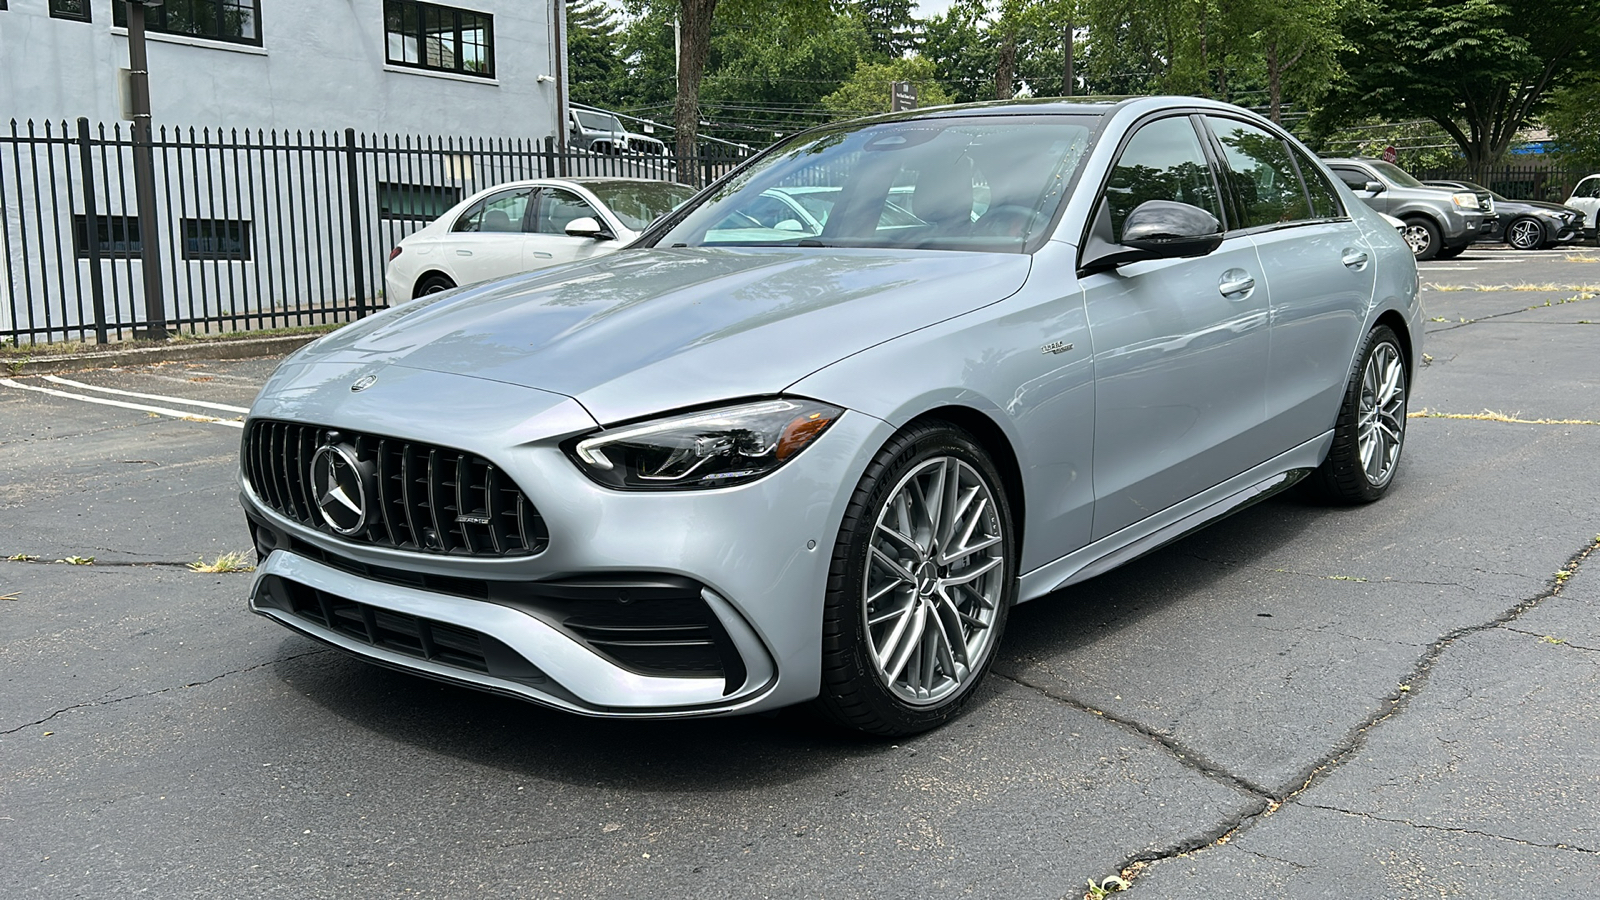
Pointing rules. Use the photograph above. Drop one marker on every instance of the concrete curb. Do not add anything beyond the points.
(247, 348)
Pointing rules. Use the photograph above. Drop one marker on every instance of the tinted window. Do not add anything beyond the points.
(497, 213)
(1589, 187)
(1324, 200)
(1355, 178)
(557, 208)
(1395, 174)
(1265, 180)
(1162, 161)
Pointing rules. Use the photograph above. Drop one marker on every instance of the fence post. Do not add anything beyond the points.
(144, 179)
(97, 287)
(352, 170)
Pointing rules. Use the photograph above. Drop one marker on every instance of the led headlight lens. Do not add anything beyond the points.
(711, 449)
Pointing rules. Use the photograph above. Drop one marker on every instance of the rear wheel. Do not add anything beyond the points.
(433, 284)
(1451, 252)
(1371, 429)
(923, 577)
(1423, 237)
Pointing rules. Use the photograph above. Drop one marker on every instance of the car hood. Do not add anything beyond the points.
(643, 331)
(1540, 205)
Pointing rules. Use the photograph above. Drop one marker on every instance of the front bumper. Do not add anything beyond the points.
(753, 558)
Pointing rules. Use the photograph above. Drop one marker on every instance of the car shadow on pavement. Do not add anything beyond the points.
(1072, 620)
(515, 736)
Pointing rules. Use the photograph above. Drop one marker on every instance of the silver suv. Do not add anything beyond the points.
(1440, 223)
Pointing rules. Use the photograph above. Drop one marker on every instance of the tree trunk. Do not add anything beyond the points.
(1006, 69)
(694, 48)
(1068, 82)
(1274, 84)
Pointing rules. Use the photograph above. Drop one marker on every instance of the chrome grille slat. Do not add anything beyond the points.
(420, 492)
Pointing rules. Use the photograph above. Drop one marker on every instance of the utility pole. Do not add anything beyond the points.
(144, 174)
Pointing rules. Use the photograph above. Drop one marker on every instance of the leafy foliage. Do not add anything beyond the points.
(867, 91)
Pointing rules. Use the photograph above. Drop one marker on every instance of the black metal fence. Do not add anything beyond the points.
(1520, 181)
(256, 229)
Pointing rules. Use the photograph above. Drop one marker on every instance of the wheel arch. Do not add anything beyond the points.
(1397, 324)
(994, 441)
(416, 285)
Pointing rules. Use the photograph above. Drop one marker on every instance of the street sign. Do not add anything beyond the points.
(902, 95)
(1390, 154)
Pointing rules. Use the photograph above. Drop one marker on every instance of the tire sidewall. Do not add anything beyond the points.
(853, 691)
(1344, 479)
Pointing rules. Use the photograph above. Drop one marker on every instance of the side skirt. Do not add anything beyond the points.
(1154, 532)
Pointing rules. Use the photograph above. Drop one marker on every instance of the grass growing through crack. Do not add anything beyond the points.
(77, 560)
(1111, 885)
(15, 596)
(22, 557)
(1489, 415)
(227, 562)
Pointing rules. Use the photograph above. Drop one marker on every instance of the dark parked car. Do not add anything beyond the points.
(1525, 224)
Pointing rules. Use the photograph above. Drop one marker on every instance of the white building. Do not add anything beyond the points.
(484, 68)
(297, 141)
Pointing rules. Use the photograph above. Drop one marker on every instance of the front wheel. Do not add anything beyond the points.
(1525, 234)
(922, 579)
(1371, 429)
(1423, 237)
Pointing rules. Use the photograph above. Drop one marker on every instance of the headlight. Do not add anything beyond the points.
(711, 449)
(1465, 200)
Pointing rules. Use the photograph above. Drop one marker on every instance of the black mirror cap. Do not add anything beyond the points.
(1156, 229)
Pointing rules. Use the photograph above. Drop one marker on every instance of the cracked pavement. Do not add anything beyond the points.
(1397, 701)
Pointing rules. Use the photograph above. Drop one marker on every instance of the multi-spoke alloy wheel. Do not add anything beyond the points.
(922, 578)
(1525, 234)
(1371, 429)
(1383, 413)
(934, 580)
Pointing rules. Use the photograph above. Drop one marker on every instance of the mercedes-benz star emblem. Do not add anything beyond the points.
(339, 487)
(363, 383)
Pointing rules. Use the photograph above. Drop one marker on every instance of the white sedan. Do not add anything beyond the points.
(525, 225)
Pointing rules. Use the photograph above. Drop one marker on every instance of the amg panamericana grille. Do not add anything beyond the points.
(427, 498)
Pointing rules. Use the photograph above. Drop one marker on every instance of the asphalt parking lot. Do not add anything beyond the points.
(1399, 701)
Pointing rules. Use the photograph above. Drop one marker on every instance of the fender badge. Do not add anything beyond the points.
(363, 383)
(1056, 347)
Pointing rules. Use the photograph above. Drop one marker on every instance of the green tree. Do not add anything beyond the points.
(962, 53)
(1573, 118)
(1478, 68)
(892, 31)
(867, 91)
(594, 63)
(772, 75)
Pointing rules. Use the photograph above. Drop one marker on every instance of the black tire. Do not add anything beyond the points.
(1451, 252)
(1345, 478)
(1525, 233)
(857, 692)
(1423, 237)
(433, 284)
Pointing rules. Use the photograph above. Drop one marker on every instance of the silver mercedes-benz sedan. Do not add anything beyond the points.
(758, 459)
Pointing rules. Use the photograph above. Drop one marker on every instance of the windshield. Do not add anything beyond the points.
(978, 183)
(638, 203)
(598, 121)
(1395, 174)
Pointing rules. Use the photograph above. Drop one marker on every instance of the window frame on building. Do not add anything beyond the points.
(84, 15)
(456, 14)
(155, 21)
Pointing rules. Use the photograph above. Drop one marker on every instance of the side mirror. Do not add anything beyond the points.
(1373, 187)
(587, 227)
(1156, 229)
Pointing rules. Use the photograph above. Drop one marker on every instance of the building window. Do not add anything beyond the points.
(235, 21)
(415, 202)
(441, 38)
(70, 9)
(119, 237)
(216, 239)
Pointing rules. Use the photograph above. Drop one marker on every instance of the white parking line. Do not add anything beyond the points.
(1450, 268)
(174, 413)
(105, 390)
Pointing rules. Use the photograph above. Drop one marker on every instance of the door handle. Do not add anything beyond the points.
(463, 252)
(1355, 259)
(540, 254)
(1236, 284)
